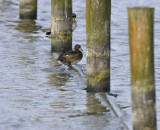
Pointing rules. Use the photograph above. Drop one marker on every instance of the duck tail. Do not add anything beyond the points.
(60, 56)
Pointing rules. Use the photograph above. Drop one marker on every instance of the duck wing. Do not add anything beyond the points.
(69, 53)
(65, 54)
(74, 25)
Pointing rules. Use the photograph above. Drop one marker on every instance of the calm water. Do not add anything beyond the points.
(37, 92)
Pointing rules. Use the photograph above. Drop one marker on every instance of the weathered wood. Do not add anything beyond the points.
(141, 25)
(61, 30)
(98, 14)
(28, 9)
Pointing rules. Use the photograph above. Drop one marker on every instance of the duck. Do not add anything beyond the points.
(71, 57)
(74, 25)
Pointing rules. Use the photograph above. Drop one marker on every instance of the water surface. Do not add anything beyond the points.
(37, 92)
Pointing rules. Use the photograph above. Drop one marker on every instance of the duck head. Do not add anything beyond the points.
(78, 48)
(73, 17)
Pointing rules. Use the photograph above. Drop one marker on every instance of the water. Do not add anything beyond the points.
(37, 92)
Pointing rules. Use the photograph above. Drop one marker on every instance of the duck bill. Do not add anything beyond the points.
(44, 36)
(73, 20)
(81, 49)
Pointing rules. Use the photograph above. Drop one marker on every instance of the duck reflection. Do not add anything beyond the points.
(58, 79)
(58, 76)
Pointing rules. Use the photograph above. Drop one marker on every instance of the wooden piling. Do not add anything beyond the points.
(28, 9)
(98, 13)
(61, 30)
(141, 25)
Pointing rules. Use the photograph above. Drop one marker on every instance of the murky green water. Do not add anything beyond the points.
(37, 92)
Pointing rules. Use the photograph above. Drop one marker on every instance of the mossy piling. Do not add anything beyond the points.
(61, 29)
(28, 9)
(141, 26)
(98, 13)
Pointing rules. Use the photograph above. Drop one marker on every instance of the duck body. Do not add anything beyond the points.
(71, 57)
(74, 25)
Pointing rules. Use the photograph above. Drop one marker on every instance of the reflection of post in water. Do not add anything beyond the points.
(98, 44)
(61, 30)
(28, 9)
(94, 106)
(27, 26)
(142, 68)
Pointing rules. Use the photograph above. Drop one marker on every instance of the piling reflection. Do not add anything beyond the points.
(94, 106)
(27, 26)
(96, 110)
